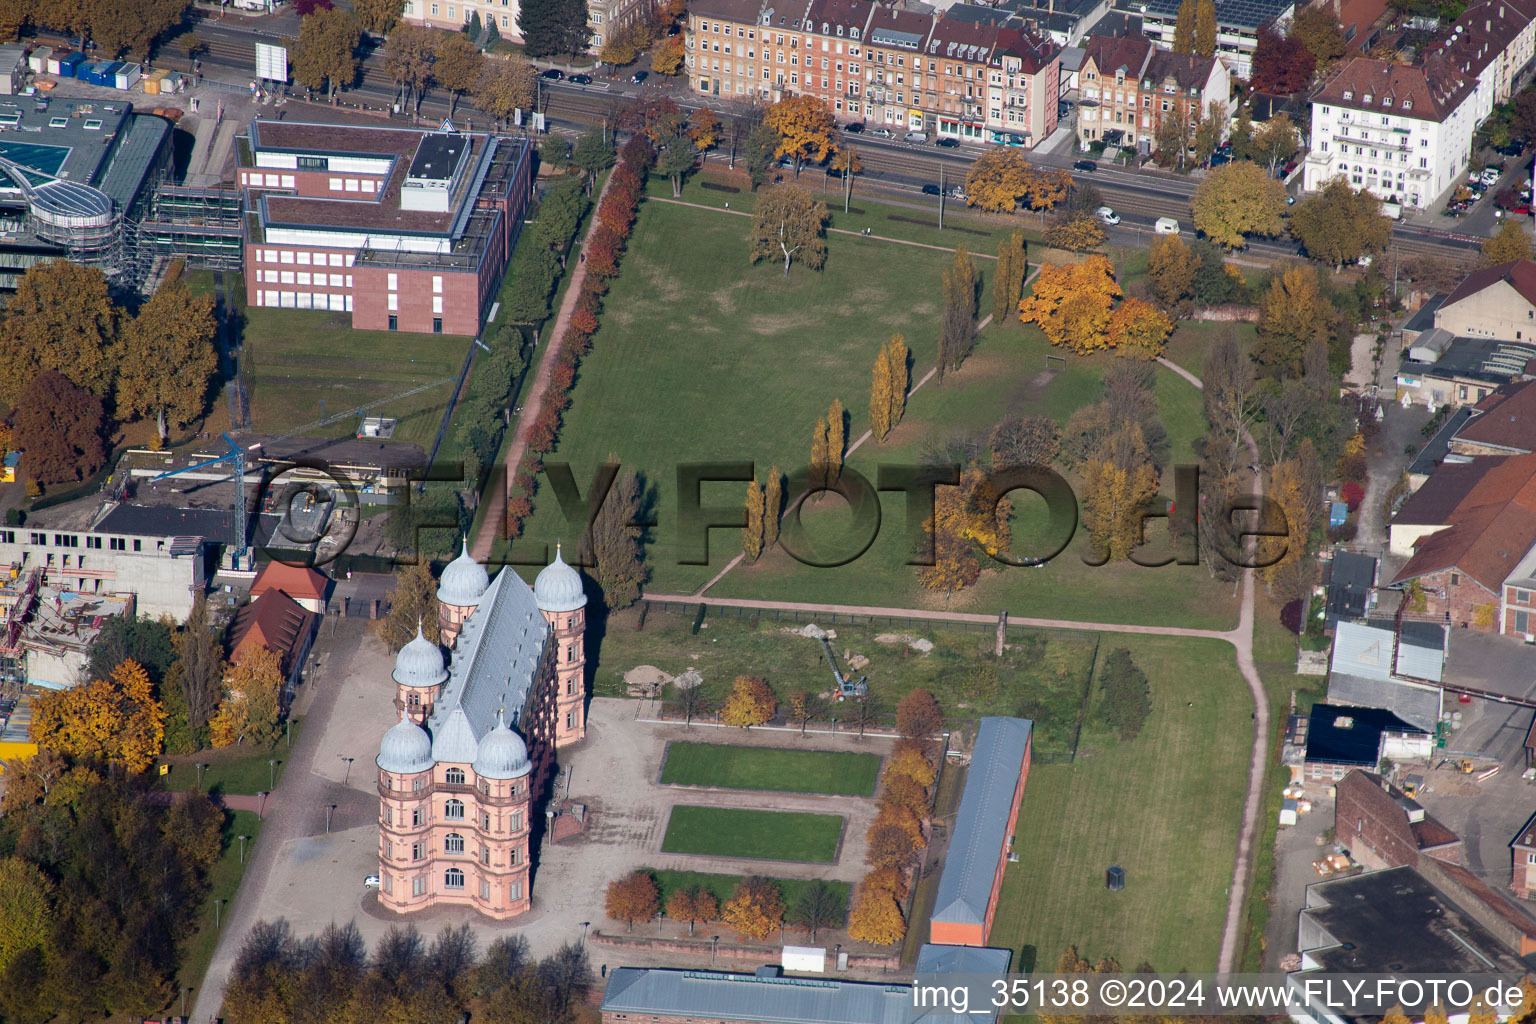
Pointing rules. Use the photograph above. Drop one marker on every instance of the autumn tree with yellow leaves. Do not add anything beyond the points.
(997, 180)
(1287, 490)
(1073, 303)
(252, 702)
(876, 918)
(888, 390)
(805, 129)
(117, 720)
(1120, 483)
(751, 703)
(1139, 329)
(965, 517)
(692, 903)
(755, 908)
(752, 532)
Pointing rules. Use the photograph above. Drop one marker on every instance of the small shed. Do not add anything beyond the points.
(1288, 809)
(1114, 878)
(69, 64)
(1338, 513)
(805, 959)
(39, 60)
(127, 76)
(8, 467)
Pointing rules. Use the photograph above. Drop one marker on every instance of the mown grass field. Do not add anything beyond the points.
(703, 357)
(762, 835)
(770, 768)
(1166, 806)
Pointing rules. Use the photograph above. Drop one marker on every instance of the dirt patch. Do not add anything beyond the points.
(646, 675)
(917, 643)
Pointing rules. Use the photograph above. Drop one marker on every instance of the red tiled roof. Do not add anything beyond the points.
(896, 20)
(1110, 53)
(297, 581)
(1480, 35)
(1490, 528)
(275, 621)
(1518, 274)
(1428, 92)
(1505, 419)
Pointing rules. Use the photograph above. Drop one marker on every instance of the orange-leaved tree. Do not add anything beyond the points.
(805, 129)
(253, 699)
(876, 918)
(1073, 303)
(756, 908)
(918, 715)
(632, 898)
(1138, 329)
(692, 903)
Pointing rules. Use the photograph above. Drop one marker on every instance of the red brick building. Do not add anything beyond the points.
(1381, 827)
(978, 852)
(412, 228)
(1471, 528)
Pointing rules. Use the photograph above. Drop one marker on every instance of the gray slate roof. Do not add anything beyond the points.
(936, 959)
(1414, 704)
(494, 662)
(718, 996)
(982, 824)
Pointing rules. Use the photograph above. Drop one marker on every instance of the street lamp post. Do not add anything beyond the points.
(347, 775)
(272, 774)
(329, 809)
(242, 847)
(200, 767)
(714, 940)
(261, 806)
(584, 925)
(216, 905)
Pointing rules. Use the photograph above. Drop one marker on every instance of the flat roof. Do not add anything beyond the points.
(1340, 734)
(1486, 360)
(344, 452)
(438, 155)
(1253, 14)
(1397, 922)
(214, 524)
(1414, 703)
(713, 995)
(982, 824)
(103, 144)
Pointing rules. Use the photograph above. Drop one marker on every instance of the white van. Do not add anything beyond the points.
(915, 137)
(1166, 226)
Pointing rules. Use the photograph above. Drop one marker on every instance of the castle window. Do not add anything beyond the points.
(419, 886)
(485, 855)
(418, 851)
(485, 890)
(512, 859)
(453, 843)
(416, 818)
(453, 878)
(418, 784)
(454, 777)
(485, 822)
(413, 699)
(454, 809)
(515, 891)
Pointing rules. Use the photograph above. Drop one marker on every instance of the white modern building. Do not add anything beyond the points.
(1404, 133)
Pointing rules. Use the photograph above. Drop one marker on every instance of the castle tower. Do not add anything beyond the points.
(561, 597)
(419, 676)
(502, 767)
(405, 815)
(463, 583)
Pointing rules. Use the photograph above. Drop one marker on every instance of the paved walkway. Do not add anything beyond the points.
(494, 523)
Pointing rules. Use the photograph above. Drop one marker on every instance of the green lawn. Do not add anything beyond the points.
(723, 886)
(224, 880)
(296, 360)
(238, 769)
(773, 768)
(704, 358)
(1041, 676)
(1165, 806)
(765, 835)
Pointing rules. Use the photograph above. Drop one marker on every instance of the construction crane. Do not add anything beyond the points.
(236, 457)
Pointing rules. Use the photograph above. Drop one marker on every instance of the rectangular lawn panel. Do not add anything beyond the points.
(763, 835)
(771, 768)
(1165, 806)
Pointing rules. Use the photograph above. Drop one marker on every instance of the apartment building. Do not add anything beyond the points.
(406, 230)
(1403, 132)
(1130, 87)
(1237, 26)
(604, 17)
(970, 73)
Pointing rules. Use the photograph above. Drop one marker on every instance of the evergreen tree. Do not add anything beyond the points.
(616, 554)
(553, 26)
(752, 533)
(773, 507)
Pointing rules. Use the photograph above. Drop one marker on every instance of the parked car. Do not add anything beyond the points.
(1290, 165)
(371, 882)
(957, 193)
(884, 133)
(854, 127)
(674, 30)
(1490, 176)
(915, 137)
(1085, 165)
(1107, 215)
(948, 143)
(932, 190)
(553, 74)
(1166, 226)
(581, 79)
(639, 77)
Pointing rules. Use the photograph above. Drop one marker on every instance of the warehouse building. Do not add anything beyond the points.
(407, 230)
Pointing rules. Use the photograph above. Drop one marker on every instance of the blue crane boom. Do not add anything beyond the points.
(236, 456)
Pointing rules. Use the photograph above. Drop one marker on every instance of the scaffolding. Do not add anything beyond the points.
(21, 600)
(200, 224)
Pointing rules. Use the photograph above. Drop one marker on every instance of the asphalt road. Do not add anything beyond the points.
(1140, 197)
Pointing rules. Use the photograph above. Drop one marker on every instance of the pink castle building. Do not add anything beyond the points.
(461, 775)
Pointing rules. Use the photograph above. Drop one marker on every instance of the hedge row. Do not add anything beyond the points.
(602, 251)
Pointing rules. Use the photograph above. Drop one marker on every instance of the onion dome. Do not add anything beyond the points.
(558, 587)
(463, 582)
(420, 663)
(405, 749)
(502, 754)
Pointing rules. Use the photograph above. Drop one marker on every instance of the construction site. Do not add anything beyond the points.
(48, 631)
